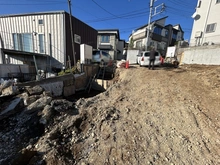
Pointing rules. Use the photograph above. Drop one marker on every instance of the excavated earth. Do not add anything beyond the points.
(166, 116)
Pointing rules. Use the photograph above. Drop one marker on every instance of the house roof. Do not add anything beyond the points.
(179, 27)
(34, 13)
(151, 22)
(106, 31)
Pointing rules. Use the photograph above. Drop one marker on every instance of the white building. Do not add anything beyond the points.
(206, 26)
(46, 36)
(161, 36)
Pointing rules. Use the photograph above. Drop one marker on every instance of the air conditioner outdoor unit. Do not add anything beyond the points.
(198, 34)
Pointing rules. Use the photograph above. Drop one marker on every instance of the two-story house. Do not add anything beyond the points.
(206, 26)
(160, 37)
(109, 41)
(43, 39)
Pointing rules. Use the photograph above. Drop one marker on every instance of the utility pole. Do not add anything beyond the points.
(71, 31)
(151, 14)
(149, 20)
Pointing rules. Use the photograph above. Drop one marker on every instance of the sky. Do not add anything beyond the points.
(124, 15)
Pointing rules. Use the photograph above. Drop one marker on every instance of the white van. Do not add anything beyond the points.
(145, 58)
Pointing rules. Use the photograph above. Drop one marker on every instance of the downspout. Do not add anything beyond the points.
(35, 63)
(206, 20)
(1, 52)
(64, 37)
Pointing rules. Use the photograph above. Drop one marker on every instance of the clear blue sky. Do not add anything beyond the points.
(125, 15)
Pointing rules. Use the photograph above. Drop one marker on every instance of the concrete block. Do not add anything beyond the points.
(11, 90)
(55, 88)
(90, 70)
(14, 106)
(68, 82)
(80, 82)
(69, 90)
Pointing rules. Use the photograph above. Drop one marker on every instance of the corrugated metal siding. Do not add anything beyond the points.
(53, 24)
(88, 36)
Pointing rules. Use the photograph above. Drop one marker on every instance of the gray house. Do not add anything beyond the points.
(161, 36)
(43, 40)
(109, 41)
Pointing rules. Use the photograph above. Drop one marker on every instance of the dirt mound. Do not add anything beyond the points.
(162, 116)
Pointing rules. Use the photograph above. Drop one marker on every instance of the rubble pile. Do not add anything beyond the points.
(39, 129)
(27, 117)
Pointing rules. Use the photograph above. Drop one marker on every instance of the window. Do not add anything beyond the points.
(199, 4)
(174, 36)
(77, 39)
(158, 30)
(23, 41)
(41, 43)
(106, 54)
(40, 22)
(166, 33)
(147, 54)
(105, 39)
(17, 41)
(210, 28)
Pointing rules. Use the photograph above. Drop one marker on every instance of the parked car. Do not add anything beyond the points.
(145, 57)
(138, 59)
(99, 55)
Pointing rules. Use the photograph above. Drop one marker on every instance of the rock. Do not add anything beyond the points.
(5, 84)
(12, 107)
(46, 114)
(38, 104)
(36, 90)
(23, 157)
(47, 93)
(31, 99)
(62, 105)
(11, 90)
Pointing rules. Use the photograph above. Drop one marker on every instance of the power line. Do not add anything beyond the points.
(181, 3)
(125, 17)
(105, 9)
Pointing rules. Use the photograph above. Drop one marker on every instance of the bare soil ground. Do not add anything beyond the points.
(162, 116)
(166, 116)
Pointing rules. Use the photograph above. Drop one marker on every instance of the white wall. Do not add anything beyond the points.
(132, 56)
(207, 13)
(207, 55)
(53, 25)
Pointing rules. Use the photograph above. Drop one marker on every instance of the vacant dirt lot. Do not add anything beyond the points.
(163, 116)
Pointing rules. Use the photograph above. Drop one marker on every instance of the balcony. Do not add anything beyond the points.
(105, 46)
(156, 37)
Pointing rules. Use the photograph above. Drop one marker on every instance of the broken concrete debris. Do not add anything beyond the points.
(24, 118)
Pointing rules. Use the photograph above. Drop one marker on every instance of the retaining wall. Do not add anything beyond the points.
(65, 85)
(206, 55)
